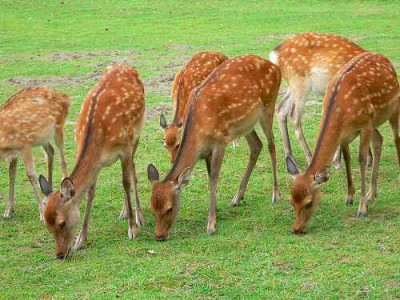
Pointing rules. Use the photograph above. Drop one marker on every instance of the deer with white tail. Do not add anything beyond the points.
(236, 96)
(108, 130)
(308, 62)
(362, 96)
(32, 117)
(186, 80)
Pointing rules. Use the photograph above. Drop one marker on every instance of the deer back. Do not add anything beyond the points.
(112, 112)
(231, 100)
(192, 75)
(315, 55)
(31, 116)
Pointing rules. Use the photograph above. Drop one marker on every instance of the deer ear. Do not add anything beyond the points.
(67, 189)
(163, 122)
(183, 179)
(152, 173)
(322, 176)
(291, 166)
(45, 186)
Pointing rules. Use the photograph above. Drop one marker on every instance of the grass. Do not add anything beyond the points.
(253, 255)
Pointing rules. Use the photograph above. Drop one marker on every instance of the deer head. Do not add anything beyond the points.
(305, 194)
(61, 214)
(172, 136)
(165, 201)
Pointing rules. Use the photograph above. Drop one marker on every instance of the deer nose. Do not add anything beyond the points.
(160, 238)
(60, 255)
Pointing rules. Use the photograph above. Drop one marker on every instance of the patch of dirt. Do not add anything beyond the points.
(154, 112)
(83, 55)
(161, 81)
(53, 81)
(177, 47)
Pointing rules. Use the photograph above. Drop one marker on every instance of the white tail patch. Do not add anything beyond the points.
(274, 57)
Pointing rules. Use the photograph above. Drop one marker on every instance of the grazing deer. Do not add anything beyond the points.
(187, 79)
(32, 117)
(236, 96)
(308, 61)
(108, 129)
(362, 96)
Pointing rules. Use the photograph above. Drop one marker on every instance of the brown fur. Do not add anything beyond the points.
(108, 129)
(362, 96)
(308, 62)
(236, 96)
(32, 117)
(186, 80)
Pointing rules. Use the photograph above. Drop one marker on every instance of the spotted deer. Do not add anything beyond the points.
(107, 130)
(361, 96)
(236, 96)
(308, 61)
(187, 79)
(32, 117)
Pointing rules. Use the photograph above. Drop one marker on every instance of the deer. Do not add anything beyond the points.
(236, 96)
(360, 97)
(308, 62)
(107, 130)
(194, 72)
(32, 117)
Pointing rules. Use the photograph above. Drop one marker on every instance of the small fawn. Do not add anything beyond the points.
(236, 96)
(32, 117)
(362, 96)
(186, 80)
(308, 62)
(108, 129)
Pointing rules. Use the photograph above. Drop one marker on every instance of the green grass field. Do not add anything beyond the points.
(67, 44)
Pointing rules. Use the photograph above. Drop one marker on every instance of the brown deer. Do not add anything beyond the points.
(308, 61)
(187, 79)
(362, 96)
(236, 96)
(32, 117)
(108, 130)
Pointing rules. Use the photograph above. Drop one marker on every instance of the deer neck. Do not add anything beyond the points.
(327, 143)
(87, 167)
(189, 151)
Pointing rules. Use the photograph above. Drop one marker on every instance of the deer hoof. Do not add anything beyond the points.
(131, 233)
(361, 214)
(349, 202)
(236, 201)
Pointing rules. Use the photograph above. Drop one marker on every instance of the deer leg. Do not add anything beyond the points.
(300, 136)
(126, 182)
(266, 123)
(337, 159)
(365, 138)
(138, 209)
(81, 240)
(30, 170)
(255, 146)
(59, 139)
(377, 140)
(216, 163)
(50, 159)
(350, 185)
(12, 172)
(282, 112)
(394, 124)
(208, 165)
